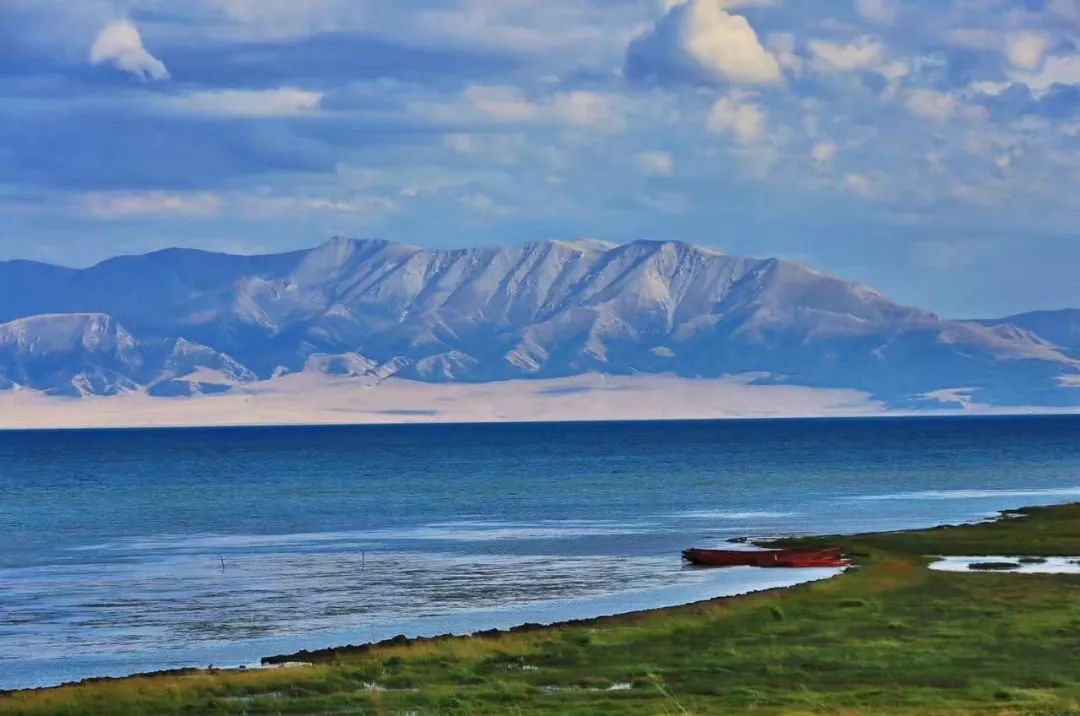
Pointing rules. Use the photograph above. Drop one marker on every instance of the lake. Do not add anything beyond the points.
(133, 550)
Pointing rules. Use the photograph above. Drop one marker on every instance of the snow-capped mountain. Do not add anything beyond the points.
(182, 321)
(92, 354)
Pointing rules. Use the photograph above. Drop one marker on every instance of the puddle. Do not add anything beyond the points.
(1019, 565)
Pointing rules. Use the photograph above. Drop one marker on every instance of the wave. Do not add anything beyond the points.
(732, 515)
(436, 532)
(972, 494)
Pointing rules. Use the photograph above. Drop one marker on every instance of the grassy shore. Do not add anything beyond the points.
(890, 637)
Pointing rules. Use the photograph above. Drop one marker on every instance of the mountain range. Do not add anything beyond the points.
(182, 322)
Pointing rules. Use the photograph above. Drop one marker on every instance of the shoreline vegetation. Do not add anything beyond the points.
(889, 636)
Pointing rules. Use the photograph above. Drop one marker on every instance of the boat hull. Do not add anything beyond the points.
(823, 557)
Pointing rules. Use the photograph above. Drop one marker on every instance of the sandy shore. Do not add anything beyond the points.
(315, 399)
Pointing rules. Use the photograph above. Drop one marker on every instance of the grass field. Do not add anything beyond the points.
(889, 637)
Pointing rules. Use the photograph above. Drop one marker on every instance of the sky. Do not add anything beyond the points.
(929, 148)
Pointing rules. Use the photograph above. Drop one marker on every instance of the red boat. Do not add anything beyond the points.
(820, 557)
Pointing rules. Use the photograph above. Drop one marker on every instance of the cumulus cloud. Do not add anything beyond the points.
(738, 116)
(929, 104)
(894, 70)
(879, 11)
(120, 45)
(864, 53)
(782, 47)
(279, 102)
(1056, 69)
(726, 4)
(701, 41)
(655, 163)
(932, 105)
(120, 205)
(1025, 50)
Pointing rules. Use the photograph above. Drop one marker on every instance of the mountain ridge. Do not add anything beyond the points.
(371, 308)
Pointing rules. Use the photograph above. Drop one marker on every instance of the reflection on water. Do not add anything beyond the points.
(1020, 565)
(168, 601)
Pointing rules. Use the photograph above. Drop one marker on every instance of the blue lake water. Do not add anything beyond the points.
(124, 551)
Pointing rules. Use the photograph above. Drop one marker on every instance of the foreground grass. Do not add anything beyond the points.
(890, 637)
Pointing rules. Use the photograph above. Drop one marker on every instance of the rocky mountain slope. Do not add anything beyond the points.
(1061, 328)
(181, 321)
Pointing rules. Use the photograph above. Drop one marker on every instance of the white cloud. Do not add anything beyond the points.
(860, 185)
(739, 117)
(483, 204)
(880, 11)
(864, 53)
(510, 105)
(894, 70)
(265, 207)
(988, 88)
(587, 109)
(293, 18)
(120, 45)
(932, 105)
(1065, 9)
(500, 102)
(1025, 50)
(461, 143)
(119, 205)
(203, 205)
(782, 47)
(493, 147)
(656, 163)
(823, 152)
(666, 5)
(1057, 69)
(280, 102)
(699, 39)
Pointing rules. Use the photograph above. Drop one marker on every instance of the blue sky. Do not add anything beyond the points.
(930, 148)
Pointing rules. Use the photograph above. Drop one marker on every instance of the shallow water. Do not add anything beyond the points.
(1051, 565)
(126, 551)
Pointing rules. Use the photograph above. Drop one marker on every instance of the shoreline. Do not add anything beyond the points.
(302, 399)
(315, 656)
(890, 636)
(989, 414)
(310, 657)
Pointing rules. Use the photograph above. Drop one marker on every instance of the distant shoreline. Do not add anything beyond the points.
(892, 415)
(315, 399)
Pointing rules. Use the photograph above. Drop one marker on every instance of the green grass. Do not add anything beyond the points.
(890, 637)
